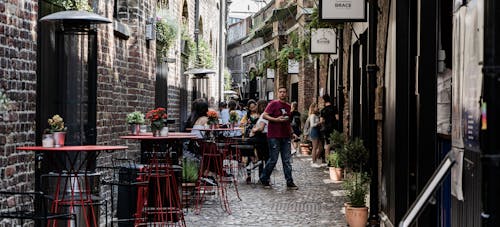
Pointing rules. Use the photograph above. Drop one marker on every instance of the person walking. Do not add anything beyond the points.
(328, 120)
(278, 133)
(295, 123)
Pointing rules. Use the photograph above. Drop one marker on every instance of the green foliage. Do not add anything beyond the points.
(356, 184)
(355, 155)
(334, 160)
(4, 102)
(189, 171)
(73, 4)
(316, 23)
(166, 34)
(337, 140)
(290, 50)
(135, 117)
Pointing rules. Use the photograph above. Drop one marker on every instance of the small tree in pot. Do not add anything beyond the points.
(356, 183)
(335, 166)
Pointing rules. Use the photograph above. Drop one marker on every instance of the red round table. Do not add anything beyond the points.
(73, 162)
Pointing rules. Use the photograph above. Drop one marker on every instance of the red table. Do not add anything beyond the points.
(72, 163)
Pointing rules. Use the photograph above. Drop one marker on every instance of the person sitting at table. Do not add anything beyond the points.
(199, 121)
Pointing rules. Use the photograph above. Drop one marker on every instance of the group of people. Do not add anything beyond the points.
(274, 128)
(318, 127)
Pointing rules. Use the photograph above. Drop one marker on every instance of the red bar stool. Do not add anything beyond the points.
(211, 159)
(158, 199)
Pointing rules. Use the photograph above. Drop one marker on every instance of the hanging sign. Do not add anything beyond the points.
(323, 41)
(270, 73)
(342, 10)
(293, 66)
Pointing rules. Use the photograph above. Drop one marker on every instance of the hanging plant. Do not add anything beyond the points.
(291, 50)
(82, 5)
(166, 33)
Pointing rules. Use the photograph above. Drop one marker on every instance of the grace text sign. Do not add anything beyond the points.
(342, 10)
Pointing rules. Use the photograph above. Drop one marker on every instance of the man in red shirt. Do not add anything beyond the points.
(279, 133)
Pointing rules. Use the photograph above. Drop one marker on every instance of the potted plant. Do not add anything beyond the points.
(189, 178)
(158, 119)
(355, 156)
(356, 185)
(166, 34)
(57, 129)
(335, 166)
(233, 117)
(213, 119)
(135, 119)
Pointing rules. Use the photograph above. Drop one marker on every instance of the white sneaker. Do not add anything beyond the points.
(314, 165)
(294, 152)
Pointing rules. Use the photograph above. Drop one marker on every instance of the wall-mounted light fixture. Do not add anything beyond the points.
(150, 31)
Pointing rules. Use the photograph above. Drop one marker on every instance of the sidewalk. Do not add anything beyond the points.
(318, 202)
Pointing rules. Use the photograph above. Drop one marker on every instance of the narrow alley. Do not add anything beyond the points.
(318, 202)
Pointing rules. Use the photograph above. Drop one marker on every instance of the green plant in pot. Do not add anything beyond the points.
(335, 166)
(355, 155)
(135, 119)
(189, 171)
(356, 183)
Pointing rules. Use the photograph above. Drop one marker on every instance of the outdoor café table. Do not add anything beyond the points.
(159, 202)
(219, 132)
(72, 162)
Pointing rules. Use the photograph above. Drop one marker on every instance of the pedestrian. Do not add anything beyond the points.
(295, 127)
(279, 133)
(328, 121)
(314, 133)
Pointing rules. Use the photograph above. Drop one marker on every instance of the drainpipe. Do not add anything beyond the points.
(490, 145)
(371, 69)
(340, 81)
(221, 48)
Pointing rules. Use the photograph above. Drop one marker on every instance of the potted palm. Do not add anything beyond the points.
(356, 183)
(135, 119)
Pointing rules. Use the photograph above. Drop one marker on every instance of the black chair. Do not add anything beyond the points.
(23, 206)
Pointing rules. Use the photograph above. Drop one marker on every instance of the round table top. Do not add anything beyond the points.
(220, 129)
(83, 148)
(171, 136)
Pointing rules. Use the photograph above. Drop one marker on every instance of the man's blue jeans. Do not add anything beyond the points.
(277, 146)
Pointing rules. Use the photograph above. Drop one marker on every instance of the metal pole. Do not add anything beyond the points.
(371, 70)
(340, 94)
(221, 49)
(491, 110)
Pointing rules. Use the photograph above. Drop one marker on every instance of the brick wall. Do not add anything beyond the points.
(18, 81)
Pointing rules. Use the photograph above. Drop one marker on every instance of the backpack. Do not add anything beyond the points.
(307, 127)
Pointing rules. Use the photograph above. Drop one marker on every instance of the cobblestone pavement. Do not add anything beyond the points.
(318, 202)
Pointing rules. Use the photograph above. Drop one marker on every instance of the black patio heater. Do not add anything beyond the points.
(68, 87)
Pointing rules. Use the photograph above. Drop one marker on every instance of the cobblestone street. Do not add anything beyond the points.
(318, 202)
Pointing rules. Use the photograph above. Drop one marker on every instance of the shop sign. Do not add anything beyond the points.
(342, 10)
(323, 41)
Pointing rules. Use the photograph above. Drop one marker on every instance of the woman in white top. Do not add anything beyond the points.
(313, 119)
(199, 118)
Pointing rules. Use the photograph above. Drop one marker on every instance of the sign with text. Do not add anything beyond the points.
(270, 73)
(342, 10)
(293, 66)
(323, 41)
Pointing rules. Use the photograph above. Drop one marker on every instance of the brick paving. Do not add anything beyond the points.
(318, 202)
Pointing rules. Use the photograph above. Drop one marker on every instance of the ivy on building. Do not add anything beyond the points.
(72, 4)
(166, 34)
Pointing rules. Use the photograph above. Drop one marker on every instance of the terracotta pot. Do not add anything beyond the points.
(358, 216)
(347, 214)
(336, 174)
(304, 149)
